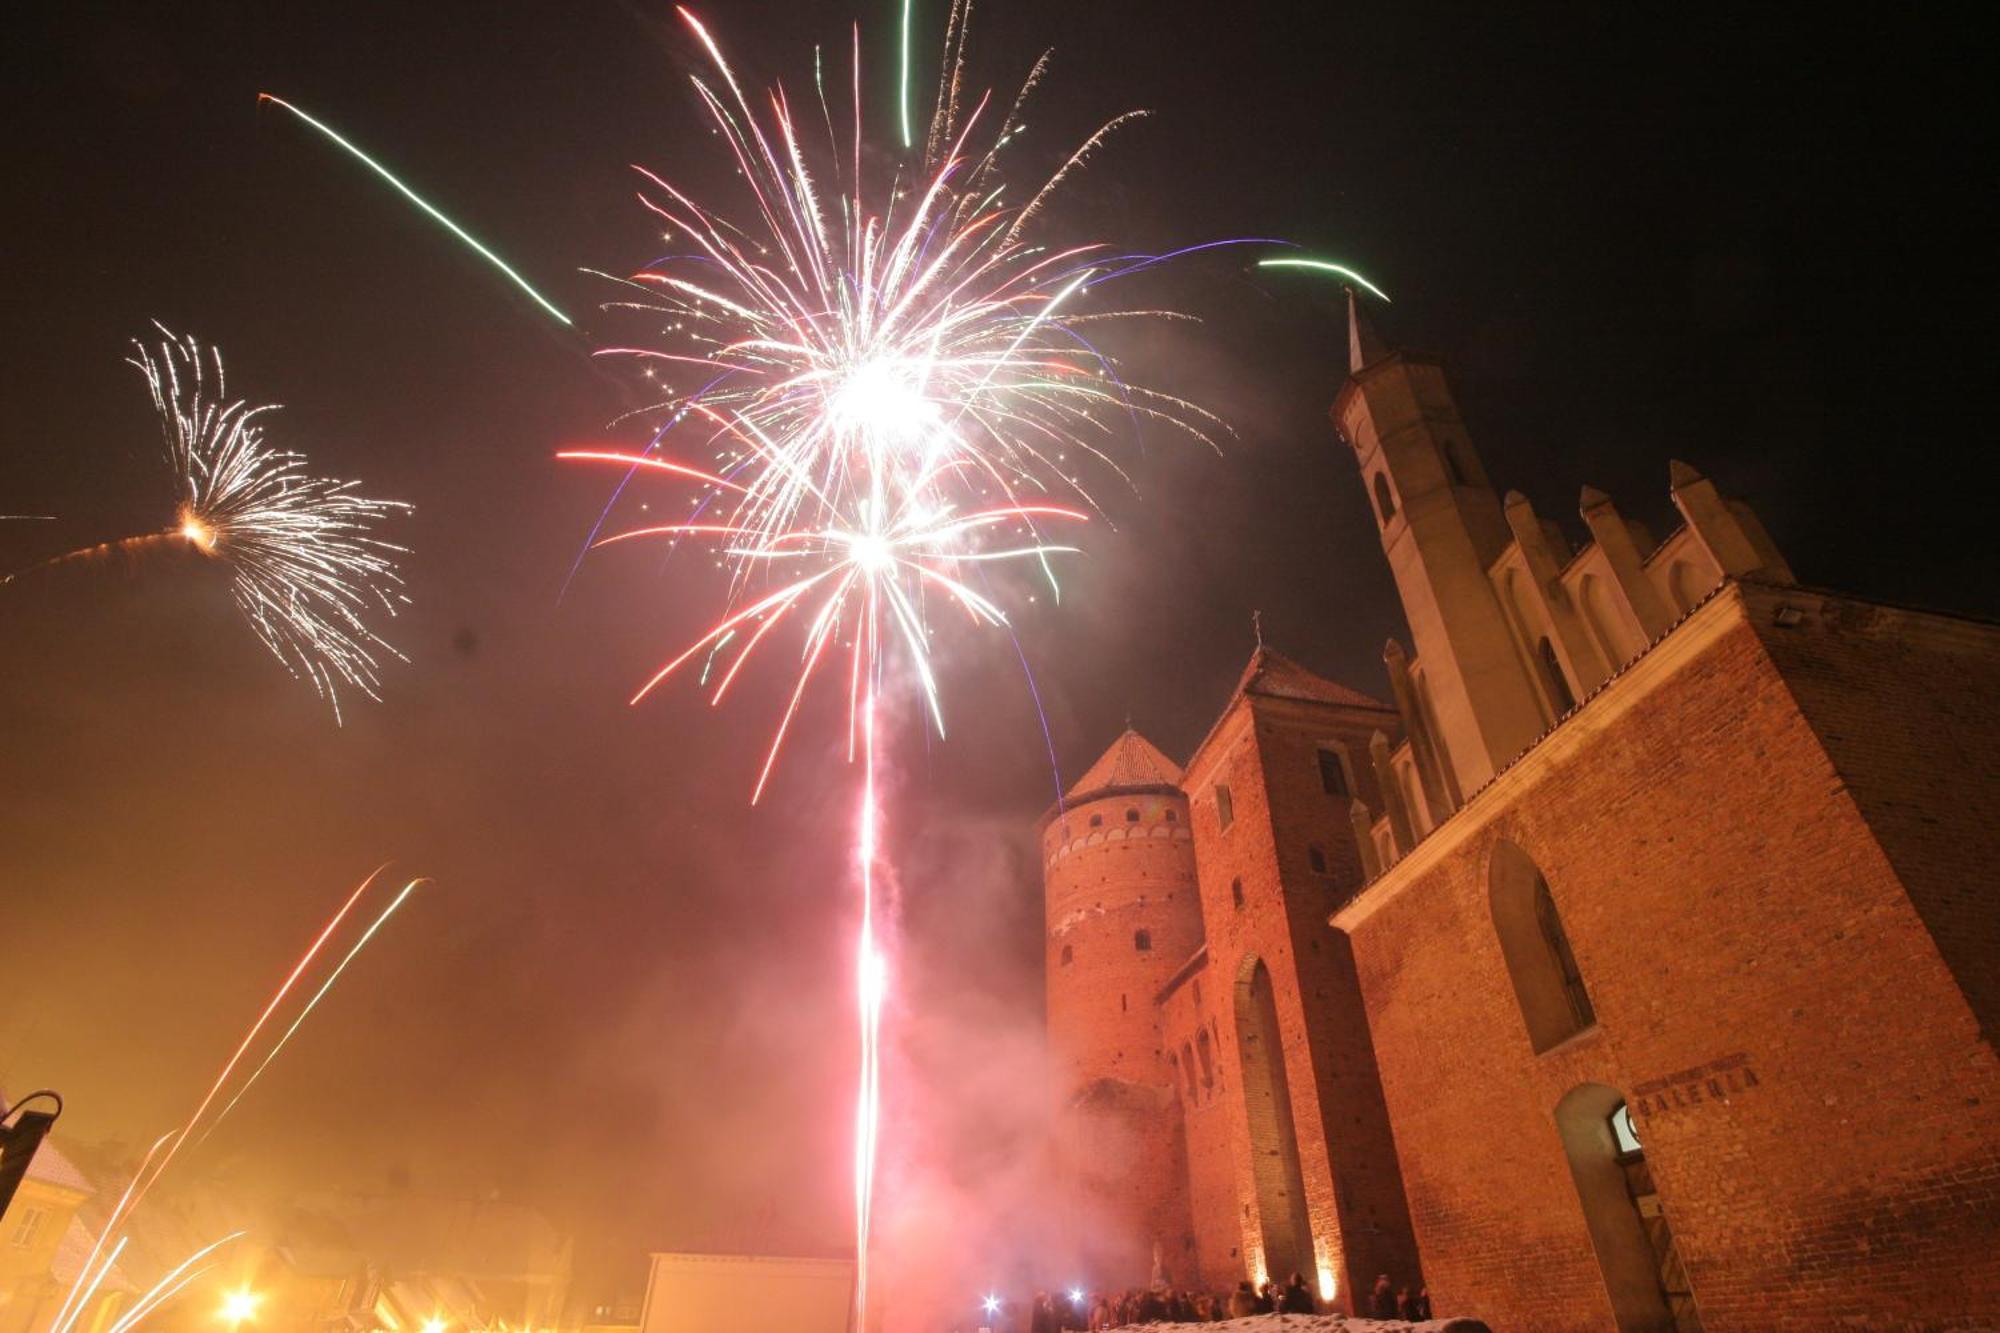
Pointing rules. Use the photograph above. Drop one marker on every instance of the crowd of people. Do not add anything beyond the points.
(1160, 1305)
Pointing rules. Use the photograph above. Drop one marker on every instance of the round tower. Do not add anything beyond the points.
(1123, 916)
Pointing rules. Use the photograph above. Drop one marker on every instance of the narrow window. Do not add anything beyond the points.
(30, 1228)
(1548, 984)
(1317, 859)
(1121, 1004)
(1385, 503)
(1068, 954)
(1131, 816)
(1559, 693)
(1187, 1070)
(1096, 821)
(1197, 992)
(1142, 940)
(1173, 816)
(1225, 808)
(1207, 1052)
(1332, 777)
(1236, 891)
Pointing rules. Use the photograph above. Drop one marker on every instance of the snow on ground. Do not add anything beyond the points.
(1319, 1323)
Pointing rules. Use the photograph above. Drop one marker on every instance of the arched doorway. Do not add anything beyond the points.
(1643, 1274)
(1286, 1234)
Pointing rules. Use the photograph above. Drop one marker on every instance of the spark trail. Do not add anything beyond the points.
(110, 1241)
(430, 209)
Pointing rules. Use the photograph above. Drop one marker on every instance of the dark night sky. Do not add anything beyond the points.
(1633, 235)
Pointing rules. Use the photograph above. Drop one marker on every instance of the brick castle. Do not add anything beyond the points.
(1634, 964)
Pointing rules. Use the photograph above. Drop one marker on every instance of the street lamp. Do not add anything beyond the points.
(239, 1307)
(435, 1324)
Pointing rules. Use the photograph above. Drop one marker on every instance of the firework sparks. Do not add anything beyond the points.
(306, 566)
(892, 382)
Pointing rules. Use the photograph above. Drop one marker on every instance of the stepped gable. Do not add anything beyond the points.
(1273, 674)
(1132, 761)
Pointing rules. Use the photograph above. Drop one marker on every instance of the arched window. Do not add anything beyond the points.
(1316, 859)
(1206, 1049)
(1684, 586)
(1236, 891)
(1131, 816)
(1096, 821)
(1548, 985)
(1068, 955)
(1385, 501)
(1552, 676)
(1225, 806)
(1142, 940)
(1187, 1070)
(1173, 815)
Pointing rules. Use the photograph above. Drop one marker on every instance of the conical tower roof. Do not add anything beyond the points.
(1132, 761)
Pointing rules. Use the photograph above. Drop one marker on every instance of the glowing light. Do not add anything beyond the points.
(196, 531)
(239, 1306)
(1325, 266)
(435, 1325)
(991, 1305)
(422, 203)
(1329, 1285)
(1076, 1296)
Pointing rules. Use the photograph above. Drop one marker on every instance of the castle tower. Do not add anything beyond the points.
(1442, 527)
(1272, 792)
(1123, 917)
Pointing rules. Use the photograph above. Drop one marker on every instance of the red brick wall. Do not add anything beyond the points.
(1266, 751)
(1104, 883)
(1211, 1110)
(1727, 903)
(1908, 709)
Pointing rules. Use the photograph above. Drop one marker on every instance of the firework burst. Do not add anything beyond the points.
(883, 380)
(307, 568)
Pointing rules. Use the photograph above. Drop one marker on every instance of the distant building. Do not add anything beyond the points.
(44, 1244)
(1633, 963)
(742, 1293)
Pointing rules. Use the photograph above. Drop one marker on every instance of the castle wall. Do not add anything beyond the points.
(1210, 1105)
(1818, 1110)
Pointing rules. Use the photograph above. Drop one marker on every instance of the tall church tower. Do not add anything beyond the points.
(1123, 917)
(1442, 528)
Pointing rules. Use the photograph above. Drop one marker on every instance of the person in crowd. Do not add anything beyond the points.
(1420, 1307)
(1042, 1315)
(1242, 1301)
(1406, 1303)
(1267, 1300)
(1295, 1298)
(1382, 1300)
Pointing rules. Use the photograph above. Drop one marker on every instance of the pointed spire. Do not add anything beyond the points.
(1681, 475)
(1364, 346)
(1590, 499)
